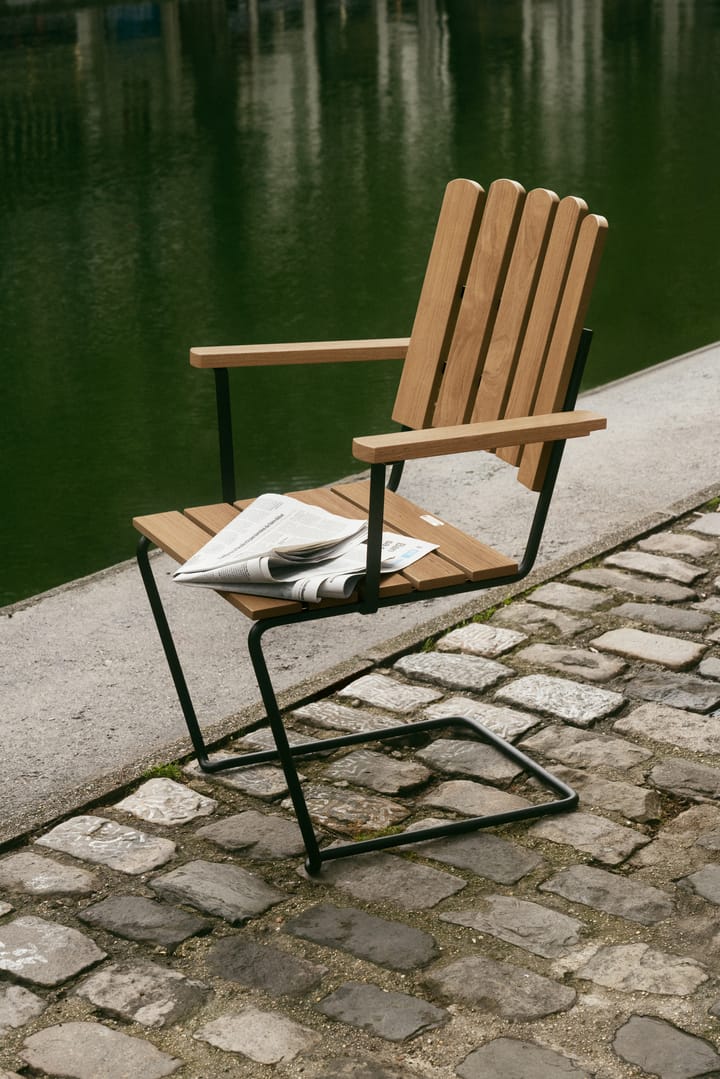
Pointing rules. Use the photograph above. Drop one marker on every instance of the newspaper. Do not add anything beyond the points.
(281, 547)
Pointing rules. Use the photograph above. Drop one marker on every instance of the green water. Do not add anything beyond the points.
(202, 172)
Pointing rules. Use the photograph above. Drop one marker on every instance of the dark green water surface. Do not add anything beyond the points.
(208, 172)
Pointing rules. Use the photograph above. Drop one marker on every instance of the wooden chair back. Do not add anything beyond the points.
(501, 311)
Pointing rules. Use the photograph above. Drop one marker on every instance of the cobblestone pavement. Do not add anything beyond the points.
(173, 931)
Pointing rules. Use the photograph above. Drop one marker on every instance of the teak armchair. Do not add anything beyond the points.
(493, 363)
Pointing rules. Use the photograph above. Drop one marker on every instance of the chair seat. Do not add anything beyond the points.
(458, 559)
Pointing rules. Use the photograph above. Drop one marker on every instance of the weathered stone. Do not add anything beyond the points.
(485, 854)
(672, 652)
(165, 802)
(585, 748)
(706, 883)
(264, 739)
(102, 841)
(260, 966)
(677, 543)
(338, 717)
(662, 1049)
(558, 594)
(714, 637)
(385, 692)
(707, 523)
(377, 771)
(481, 640)
(687, 779)
(224, 890)
(662, 616)
(389, 944)
(653, 565)
(259, 781)
(679, 728)
(347, 811)
(676, 690)
(543, 619)
(507, 1058)
(357, 1068)
(710, 667)
(90, 1050)
(393, 1016)
(506, 722)
(606, 841)
(261, 836)
(35, 875)
(711, 604)
(136, 918)
(644, 587)
(576, 662)
(472, 673)
(5, 908)
(263, 1037)
(17, 1007)
(44, 953)
(388, 878)
(561, 698)
(638, 968)
(634, 803)
(473, 799)
(469, 759)
(531, 926)
(143, 993)
(605, 891)
(500, 988)
(681, 846)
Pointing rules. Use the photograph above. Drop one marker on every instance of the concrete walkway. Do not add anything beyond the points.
(87, 702)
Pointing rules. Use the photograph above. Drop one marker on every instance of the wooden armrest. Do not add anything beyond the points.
(488, 435)
(388, 348)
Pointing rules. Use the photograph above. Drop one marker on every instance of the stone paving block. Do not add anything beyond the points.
(586, 748)
(710, 667)
(378, 771)
(144, 993)
(102, 841)
(674, 689)
(136, 918)
(261, 966)
(357, 1068)
(677, 543)
(686, 779)
(224, 890)
(163, 801)
(263, 739)
(600, 890)
(559, 594)
(465, 758)
(485, 854)
(561, 698)
(389, 878)
(631, 585)
(261, 836)
(393, 1016)
(711, 605)
(508, 1058)
(90, 1050)
(706, 883)
(349, 811)
(481, 639)
(661, 1049)
(45, 953)
(673, 652)
(503, 989)
(714, 637)
(632, 802)
(329, 715)
(638, 968)
(265, 781)
(530, 616)
(708, 524)
(472, 799)
(264, 1037)
(17, 1007)
(5, 908)
(34, 874)
(385, 692)
(672, 725)
(471, 673)
(389, 944)
(662, 616)
(506, 722)
(576, 662)
(654, 565)
(606, 841)
(531, 926)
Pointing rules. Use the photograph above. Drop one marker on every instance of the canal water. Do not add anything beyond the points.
(223, 171)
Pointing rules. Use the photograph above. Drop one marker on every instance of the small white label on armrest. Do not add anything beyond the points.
(430, 520)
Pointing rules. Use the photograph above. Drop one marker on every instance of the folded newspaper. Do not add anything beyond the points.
(284, 548)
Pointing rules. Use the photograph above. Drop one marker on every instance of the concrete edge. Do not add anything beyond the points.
(114, 784)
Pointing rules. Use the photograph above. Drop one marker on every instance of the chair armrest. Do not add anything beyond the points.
(488, 435)
(388, 348)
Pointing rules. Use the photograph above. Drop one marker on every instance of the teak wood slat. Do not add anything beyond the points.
(389, 348)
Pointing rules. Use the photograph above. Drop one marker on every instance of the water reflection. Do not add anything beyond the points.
(202, 171)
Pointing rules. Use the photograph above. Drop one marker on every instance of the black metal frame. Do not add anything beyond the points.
(369, 601)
